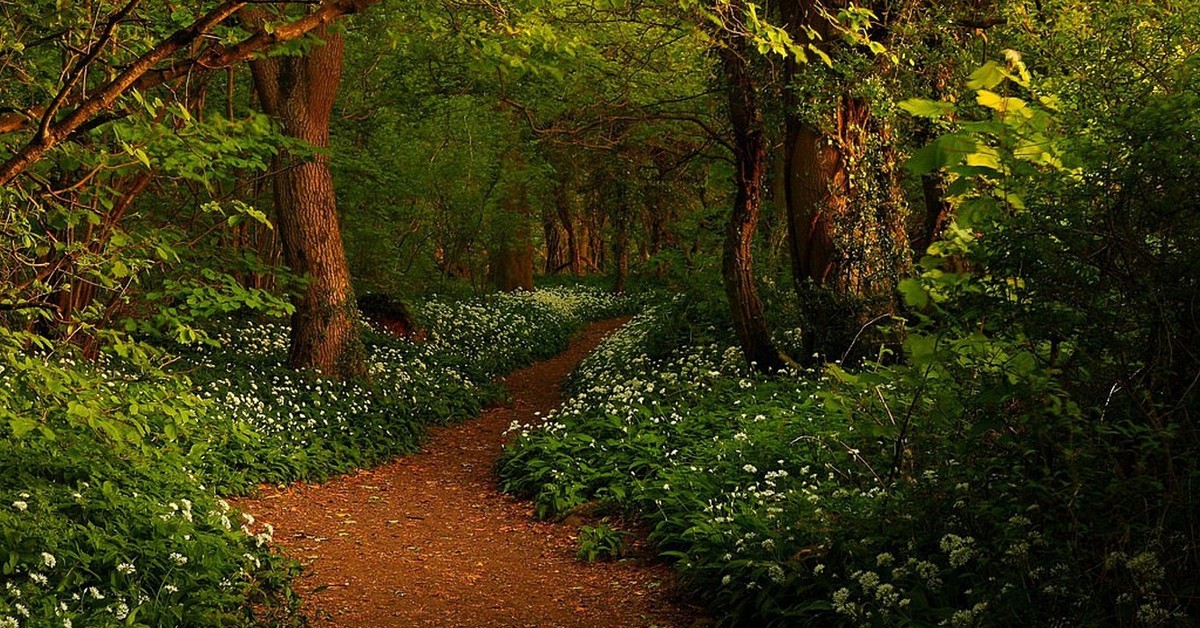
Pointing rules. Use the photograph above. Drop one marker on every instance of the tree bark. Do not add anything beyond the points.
(556, 254)
(816, 195)
(562, 204)
(937, 213)
(510, 263)
(843, 196)
(299, 92)
(737, 266)
(620, 218)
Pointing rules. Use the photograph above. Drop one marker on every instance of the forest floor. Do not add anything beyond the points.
(429, 539)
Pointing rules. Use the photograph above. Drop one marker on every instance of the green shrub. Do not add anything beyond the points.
(103, 519)
(601, 542)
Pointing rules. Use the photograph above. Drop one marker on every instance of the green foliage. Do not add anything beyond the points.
(111, 467)
(505, 331)
(601, 542)
(708, 455)
(1033, 435)
(103, 520)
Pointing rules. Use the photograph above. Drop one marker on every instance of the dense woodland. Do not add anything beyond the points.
(915, 332)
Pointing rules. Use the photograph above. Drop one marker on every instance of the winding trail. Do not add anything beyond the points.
(429, 540)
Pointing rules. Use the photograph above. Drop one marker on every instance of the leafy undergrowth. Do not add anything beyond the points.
(103, 520)
(111, 471)
(506, 331)
(307, 428)
(784, 507)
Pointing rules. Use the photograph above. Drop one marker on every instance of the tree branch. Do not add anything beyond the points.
(141, 75)
(88, 59)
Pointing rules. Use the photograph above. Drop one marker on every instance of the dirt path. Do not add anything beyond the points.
(428, 540)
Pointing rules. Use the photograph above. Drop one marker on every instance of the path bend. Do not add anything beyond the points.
(429, 540)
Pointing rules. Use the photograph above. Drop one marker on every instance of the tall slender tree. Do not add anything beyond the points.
(750, 164)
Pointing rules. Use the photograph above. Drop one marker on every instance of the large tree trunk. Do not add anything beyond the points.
(844, 205)
(737, 266)
(815, 195)
(299, 91)
(811, 163)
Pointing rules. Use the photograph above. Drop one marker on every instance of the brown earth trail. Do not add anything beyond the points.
(428, 539)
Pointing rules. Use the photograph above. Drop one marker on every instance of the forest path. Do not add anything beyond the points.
(429, 539)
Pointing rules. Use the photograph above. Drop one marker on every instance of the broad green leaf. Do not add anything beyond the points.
(914, 293)
(987, 76)
(985, 157)
(22, 426)
(920, 348)
(946, 151)
(924, 108)
(1002, 104)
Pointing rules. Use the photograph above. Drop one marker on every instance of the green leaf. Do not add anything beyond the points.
(22, 426)
(948, 150)
(1002, 104)
(920, 348)
(987, 77)
(914, 293)
(985, 157)
(924, 108)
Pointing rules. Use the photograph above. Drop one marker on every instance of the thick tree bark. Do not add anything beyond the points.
(299, 92)
(842, 195)
(511, 267)
(556, 254)
(593, 239)
(737, 265)
(811, 163)
(817, 193)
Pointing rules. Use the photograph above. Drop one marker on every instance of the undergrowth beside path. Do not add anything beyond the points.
(780, 501)
(429, 539)
(111, 470)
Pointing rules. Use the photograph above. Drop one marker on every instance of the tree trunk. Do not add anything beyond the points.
(737, 267)
(812, 167)
(510, 263)
(843, 198)
(300, 92)
(557, 255)
(562, 204)
(937, 213)
(662, 214)
(620, 220)
(594, 238)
